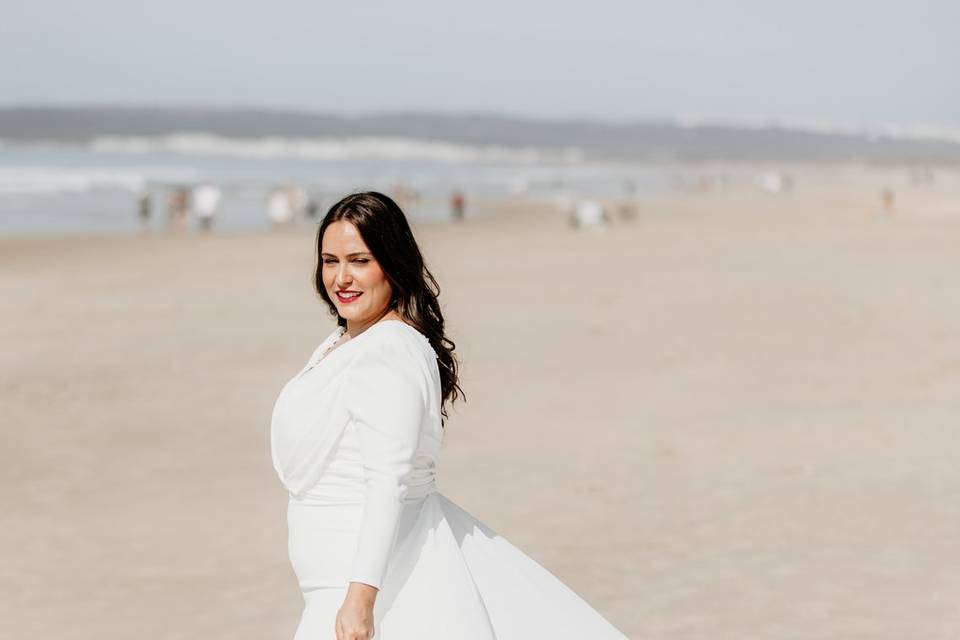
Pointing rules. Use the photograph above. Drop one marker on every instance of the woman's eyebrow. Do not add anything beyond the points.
(349, 255)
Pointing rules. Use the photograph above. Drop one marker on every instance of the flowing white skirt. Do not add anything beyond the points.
(450, 578)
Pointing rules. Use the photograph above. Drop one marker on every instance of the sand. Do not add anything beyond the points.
(735, 417)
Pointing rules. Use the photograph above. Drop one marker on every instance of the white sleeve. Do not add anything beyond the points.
(385, 398)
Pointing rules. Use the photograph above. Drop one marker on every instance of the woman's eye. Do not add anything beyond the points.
(362, 260)
(329, 261)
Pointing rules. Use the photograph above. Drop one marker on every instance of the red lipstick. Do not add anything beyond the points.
(346, 296)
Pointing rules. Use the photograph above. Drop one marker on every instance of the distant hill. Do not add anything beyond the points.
(597, 140)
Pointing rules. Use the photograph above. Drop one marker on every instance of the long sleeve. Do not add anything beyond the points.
(385, 398)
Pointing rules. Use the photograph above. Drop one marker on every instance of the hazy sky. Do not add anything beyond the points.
(857, 61)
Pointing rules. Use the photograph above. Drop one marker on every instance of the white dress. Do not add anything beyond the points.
(356, 437)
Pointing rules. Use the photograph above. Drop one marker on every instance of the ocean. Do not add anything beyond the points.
(94, 186)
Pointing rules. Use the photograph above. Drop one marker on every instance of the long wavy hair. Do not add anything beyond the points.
(386, 232)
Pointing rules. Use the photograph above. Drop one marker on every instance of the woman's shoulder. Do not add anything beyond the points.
(391, 356)
(399, 337)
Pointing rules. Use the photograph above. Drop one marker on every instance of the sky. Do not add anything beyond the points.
(838, 61)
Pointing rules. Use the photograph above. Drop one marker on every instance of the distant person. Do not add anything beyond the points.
(206, 202)
(628, 209)
(787, 182)
(773, 182)
(457, 205)
(887, 198)
(703, 184)
(404, 193)
(312, 209)
(144, 208)
(299, 199)
(589, 214)
(279, 207)
(178, 207)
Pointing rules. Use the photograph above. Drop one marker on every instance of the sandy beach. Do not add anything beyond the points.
(732, 417)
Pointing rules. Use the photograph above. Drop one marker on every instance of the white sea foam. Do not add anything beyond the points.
(375, 148)
(37, 180)
(917, 132)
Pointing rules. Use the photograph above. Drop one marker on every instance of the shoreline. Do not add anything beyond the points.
(655, 181)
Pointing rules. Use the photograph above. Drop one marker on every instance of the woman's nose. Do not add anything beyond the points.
(343, 276)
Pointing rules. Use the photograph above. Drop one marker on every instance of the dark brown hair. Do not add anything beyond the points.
(386, 232)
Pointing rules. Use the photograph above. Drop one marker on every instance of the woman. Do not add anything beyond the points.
(356, 437)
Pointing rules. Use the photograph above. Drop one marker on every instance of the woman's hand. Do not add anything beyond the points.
(355, 617)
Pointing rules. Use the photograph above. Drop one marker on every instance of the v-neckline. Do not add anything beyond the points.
(327, 346)
(332, 340)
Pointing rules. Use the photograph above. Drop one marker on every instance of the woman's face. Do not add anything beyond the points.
(351, 275)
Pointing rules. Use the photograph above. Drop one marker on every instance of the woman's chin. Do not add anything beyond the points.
(349, 313)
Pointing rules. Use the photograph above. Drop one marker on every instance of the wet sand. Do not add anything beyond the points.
(734, 417)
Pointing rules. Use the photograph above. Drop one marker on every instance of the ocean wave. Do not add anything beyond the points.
(916, 132)
(53, 180)
(358, 148)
